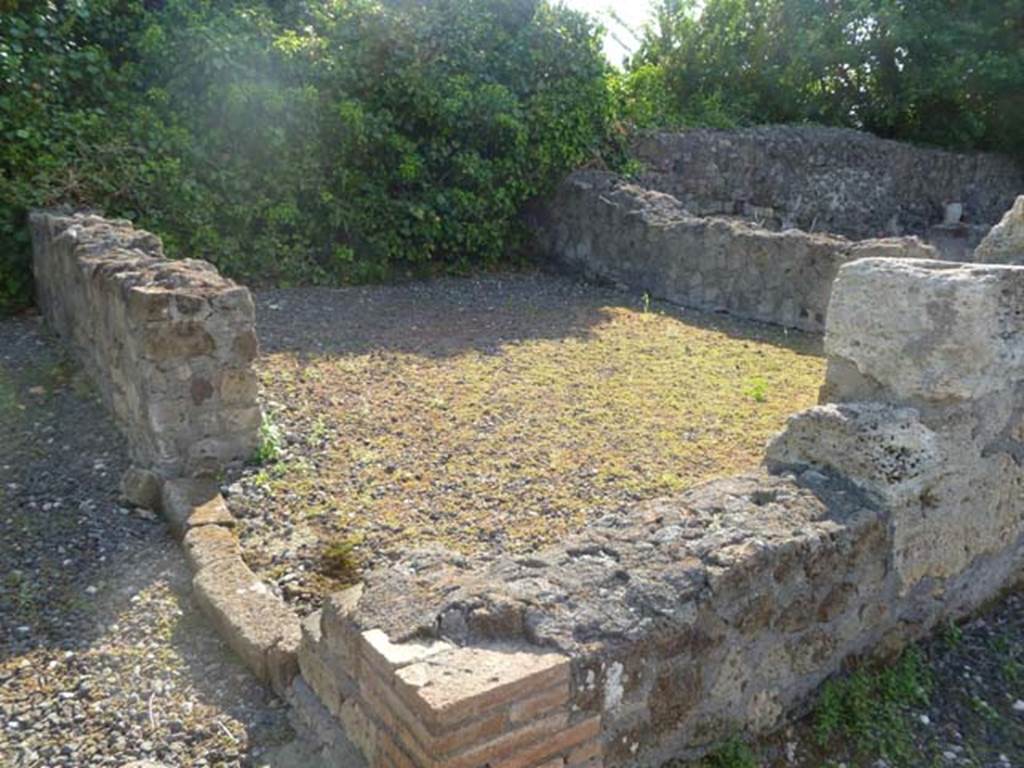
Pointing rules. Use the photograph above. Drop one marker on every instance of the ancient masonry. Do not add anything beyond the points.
(758, 222)
(169, 344)
(663, 628)
(659, 631)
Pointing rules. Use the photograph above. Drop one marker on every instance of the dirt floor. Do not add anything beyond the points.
(493, 414)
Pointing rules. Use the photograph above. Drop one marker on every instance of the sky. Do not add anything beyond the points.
(632, 12)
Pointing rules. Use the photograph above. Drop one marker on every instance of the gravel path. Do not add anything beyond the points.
(103, 658)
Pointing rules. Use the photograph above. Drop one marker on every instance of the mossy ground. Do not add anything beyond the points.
(504, 420)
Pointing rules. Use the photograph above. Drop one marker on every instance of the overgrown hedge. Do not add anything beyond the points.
(324, 141)
(941, 72)
(294, 142)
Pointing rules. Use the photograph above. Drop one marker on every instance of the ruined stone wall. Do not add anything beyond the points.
(603, 227)
(827, 179)
(673, 624)
(169, 344)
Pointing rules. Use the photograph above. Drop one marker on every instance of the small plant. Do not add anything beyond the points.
(269, 448)
(645, 301)
(733, 753)
(871, 709)
(951, 635)
(339, 559)
(757, 389)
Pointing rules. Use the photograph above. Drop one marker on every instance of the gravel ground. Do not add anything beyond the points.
(973, 718)
(494, 414)
(103, 658)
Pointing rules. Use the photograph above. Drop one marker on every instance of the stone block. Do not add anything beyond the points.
(928, 330)
(883, 448)
(148, 332)
(257, 625)
(142, 488)
(601, 225)
(322, 670)
(189, 503)
(210, 546)
(1004, 244)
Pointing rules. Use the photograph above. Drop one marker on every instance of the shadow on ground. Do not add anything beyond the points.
(103, 657)
(449, 316)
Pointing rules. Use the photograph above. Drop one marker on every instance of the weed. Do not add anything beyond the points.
(339, 559)
(985, 709)
(646, 302)
(1013, 670)
(757, 389)
(733, 753)
(951, 635)
(871, 709)
(269, 448)
(8, 394)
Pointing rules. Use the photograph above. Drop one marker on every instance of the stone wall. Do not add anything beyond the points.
(828, 179)
(673, 624)
(604, 227)
(169, 344)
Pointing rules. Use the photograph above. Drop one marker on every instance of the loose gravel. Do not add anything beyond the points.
(103, 658)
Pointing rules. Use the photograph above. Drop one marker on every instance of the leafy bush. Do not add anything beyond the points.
(293, 142)
(932, 71)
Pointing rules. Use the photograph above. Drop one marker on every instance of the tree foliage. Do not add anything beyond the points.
(289, 141)
(944, 72)
(322, 141)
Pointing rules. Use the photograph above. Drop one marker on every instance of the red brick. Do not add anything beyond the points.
(542, 703)
(465, 682)
(556, 744)
(396, 716)
(507, 750)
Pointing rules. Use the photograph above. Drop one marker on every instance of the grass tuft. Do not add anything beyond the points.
(733, 753)
(871, 709)
(339, 559)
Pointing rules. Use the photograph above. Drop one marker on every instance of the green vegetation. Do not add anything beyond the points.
(269, 449)
(869, 710)
(931, 71)
(350, 140)
(757, 389)
(340, 561)
(734, 753)
(329, 141)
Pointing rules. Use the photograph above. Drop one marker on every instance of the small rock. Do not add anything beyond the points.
(141, 488)
(1018, 705)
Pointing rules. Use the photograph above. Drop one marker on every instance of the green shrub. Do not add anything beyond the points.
(335, 141)
(931, 71)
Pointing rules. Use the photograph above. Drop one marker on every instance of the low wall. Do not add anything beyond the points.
(827, 179)
(675, 623)
(604, 227)
(169, 344)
